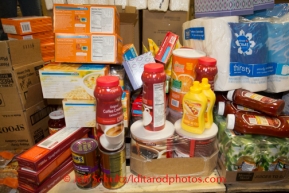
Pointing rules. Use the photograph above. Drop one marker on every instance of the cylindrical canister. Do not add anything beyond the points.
(113, 167)
(184, 61)
(85, 156)
(195, 145)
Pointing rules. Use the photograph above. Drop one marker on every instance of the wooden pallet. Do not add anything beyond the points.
(266, 187)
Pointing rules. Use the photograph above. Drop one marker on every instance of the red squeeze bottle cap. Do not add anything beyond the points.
(154, 67)
(207, 61)
(108, 81)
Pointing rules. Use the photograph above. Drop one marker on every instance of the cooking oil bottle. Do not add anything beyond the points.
(211, 97)
(194, 108)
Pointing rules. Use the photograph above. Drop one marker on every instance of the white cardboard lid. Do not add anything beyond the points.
(207, 134)
(140, 133)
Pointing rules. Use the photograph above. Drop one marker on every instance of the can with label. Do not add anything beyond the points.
(113, 167)
(85, 156)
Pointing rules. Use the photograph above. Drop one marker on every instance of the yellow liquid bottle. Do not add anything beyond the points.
(194, 107)
(211, 97)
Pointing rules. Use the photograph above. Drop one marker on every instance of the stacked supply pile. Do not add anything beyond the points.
(24, 113)
(40, 27)
(253, 138)
(46, 163)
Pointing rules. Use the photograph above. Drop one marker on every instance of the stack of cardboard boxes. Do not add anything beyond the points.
(40, 27)
(23, 113)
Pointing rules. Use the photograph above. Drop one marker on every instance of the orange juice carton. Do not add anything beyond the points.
(70, 81)
(27, 25)
(41, 154)
(57, 175)
(88, 48)
(101, 19)
(45, 37)
(165, 51)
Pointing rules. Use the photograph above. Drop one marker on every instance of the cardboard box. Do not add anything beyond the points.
(58, 175)
(27, 25)
(82, 113)
(101, 19)
(237, 177)
(88, 48)
(156, 24)
(20, 87)
(70, 81)
(129, 26)
(45, 37)
(41, 154)
(21, 129)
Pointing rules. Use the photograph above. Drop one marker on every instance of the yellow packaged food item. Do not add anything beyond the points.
(145, 50)
(153, 47)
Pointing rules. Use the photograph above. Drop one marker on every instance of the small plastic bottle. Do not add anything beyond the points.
(56, 121)
(228, 107)
(211, 97)
(194, 108)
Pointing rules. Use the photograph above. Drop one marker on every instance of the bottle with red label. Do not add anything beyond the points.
(108, 100)
(154, 97)
(228, 107)
(254, 123)
(257, 102)
(206, 68)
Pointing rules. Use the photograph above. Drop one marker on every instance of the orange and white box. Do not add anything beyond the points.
(88, 48)
(45, 37)
(101, 19)
(27, 25)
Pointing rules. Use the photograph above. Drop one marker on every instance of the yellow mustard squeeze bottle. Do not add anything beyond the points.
(211, 97)
(194, 107)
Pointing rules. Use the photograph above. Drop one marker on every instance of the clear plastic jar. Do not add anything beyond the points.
(56, 121)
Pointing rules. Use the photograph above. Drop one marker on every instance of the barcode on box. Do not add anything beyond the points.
(172, 40)
(46, 143)
(175, 103)
(25, 26)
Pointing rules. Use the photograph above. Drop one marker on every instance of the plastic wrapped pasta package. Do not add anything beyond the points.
(139, 4)
(179, 5)
(123, 3)
(150, 154)
(158, 5)
(99, 2)
(78, 2)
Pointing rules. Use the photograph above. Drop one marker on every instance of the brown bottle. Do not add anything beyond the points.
(255, 123)
(229, 107)
(257, 102)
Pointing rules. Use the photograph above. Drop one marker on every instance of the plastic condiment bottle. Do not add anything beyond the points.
(56, 121)
(257, 102)
(108, 100)
(194, 108)
(254, 123)
(228, 107)
(206, 68)
(211, 97)
(154, 97)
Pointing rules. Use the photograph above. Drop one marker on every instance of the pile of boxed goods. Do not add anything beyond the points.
(23, 28)
(148, 86)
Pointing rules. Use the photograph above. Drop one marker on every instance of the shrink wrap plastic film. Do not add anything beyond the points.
(78, 1)
(179, 5)
(173, 147)
(158, 5)
(123, 3)
(139, 4)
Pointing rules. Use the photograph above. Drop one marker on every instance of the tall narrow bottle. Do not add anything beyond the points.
(211, 97)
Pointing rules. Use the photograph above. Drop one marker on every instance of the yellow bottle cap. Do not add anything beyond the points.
(196, 87)
(205, 83)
